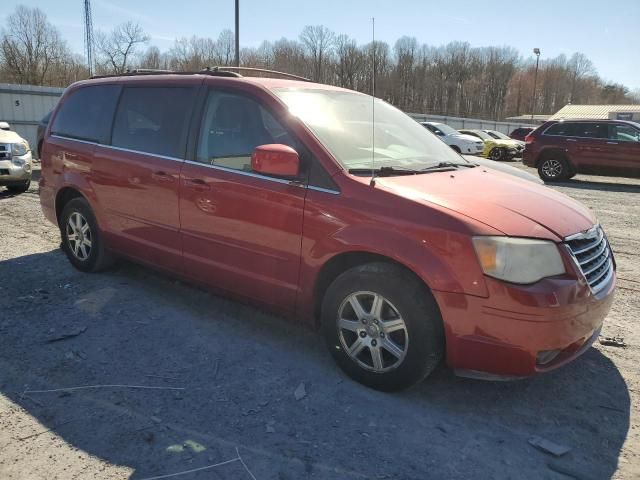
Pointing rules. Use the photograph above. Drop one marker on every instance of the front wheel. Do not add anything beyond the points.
(19, 188)
(497, 154)
(382, 326)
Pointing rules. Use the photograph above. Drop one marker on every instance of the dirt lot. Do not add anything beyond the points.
(228, 374)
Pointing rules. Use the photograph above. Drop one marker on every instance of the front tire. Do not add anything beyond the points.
(20, 188)
(456, 149)
(382, 326)
(81, 238)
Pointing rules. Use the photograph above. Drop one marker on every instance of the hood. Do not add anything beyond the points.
(504, 143)
(504, 167)
(468, 138)
(513, 206)
(8, 136)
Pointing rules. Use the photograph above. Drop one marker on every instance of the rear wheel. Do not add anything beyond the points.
(81, 238)
(382, 326)
(554, 169)
(19, 188)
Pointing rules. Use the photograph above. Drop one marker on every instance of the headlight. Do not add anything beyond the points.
(518, 260)
(19, 149)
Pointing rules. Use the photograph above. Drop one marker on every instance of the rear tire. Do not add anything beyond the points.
(388, 348)
(20, 188)
(81, 238)
(554, 169)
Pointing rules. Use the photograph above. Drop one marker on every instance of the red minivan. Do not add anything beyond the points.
(331, 208)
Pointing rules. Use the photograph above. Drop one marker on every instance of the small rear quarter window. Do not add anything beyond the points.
(86, 113)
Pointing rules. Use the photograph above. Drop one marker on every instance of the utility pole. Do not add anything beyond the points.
(237, 33)
(535, 81)
(88, 34)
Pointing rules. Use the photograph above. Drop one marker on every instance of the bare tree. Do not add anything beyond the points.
(318, 40)
(29, 46)
(116, 48)
(579, 67)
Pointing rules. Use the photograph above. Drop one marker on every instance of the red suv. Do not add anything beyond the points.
(561, 149)
(275, 192)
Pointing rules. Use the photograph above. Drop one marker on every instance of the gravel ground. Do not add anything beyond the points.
(229, 381)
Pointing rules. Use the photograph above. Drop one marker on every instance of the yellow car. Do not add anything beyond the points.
(496, 148)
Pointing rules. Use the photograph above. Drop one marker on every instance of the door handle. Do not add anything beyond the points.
(161, 176)
(571, 140)
(612, 143)
(197, 184)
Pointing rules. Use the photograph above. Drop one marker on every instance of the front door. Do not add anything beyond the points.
(241, 231)
(624, 140)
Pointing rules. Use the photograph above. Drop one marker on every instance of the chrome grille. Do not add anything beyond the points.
(593, 255)
(5, 152)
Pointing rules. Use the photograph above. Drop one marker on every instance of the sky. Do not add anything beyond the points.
(606, 33)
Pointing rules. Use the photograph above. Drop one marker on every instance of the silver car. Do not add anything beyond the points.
(15, 160)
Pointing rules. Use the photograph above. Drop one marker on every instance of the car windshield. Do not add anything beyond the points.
(497, 134)
(446, 129)
(343, 122)
(483, 135)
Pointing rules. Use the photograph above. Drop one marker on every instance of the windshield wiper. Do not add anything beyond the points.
(385, 171)
(444, 166)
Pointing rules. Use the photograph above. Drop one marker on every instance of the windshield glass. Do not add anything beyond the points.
(446, 129)
(483, 135)
(501, 135)
(342, 121)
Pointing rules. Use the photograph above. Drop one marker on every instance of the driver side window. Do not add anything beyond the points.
(232, 127)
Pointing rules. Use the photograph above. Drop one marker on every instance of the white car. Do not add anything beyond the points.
(461, 143)
(15, 160)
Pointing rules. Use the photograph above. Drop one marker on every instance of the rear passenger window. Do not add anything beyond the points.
(153, 120)
(592, 130)
(562, 129)
(86, 113)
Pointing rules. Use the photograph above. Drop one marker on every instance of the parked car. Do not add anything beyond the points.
(561, 149)
(501, 136)
(460, 143)
(15, 160)
(42, 126)
(495, 148)
(271, 191)
(520, 132)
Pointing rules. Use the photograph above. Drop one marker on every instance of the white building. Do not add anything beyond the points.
(23, 106)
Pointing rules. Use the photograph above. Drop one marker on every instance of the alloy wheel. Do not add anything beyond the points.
(552, 168)
(372, 331)
(79, 236)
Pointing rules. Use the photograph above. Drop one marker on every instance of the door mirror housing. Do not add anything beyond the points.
(275, 159)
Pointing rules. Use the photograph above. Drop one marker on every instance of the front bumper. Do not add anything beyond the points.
(518, 330)
(16, 171)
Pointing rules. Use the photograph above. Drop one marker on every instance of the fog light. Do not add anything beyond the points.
(546, 356)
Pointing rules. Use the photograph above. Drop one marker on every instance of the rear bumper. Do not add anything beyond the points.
(519, 331)
(528, 158)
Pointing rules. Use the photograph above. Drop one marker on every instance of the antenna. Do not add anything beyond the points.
(373, 103)
(88, 34)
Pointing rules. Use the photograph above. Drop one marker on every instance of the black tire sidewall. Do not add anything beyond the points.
(21, 188)
(416, 306)
(81, 206)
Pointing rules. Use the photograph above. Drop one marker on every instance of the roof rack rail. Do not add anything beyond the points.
(218, 71)
(150, 71)
(260, 70)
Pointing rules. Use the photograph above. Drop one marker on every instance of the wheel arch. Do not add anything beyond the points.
(344, 261)
(548, 152)
(64, 196)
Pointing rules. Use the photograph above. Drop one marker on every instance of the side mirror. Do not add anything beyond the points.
(275, 159)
